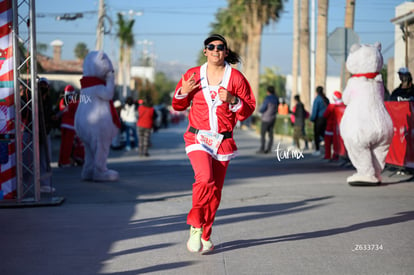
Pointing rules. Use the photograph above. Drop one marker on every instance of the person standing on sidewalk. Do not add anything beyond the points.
(219, 96)
(320, 104)
(405, 91)
(145, 124)
(129, 119)
(67, 107)
(298, 118)
(268, 111)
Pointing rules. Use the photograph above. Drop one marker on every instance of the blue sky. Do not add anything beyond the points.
(177, 29)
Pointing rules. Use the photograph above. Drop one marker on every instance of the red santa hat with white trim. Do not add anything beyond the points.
(337, 97)
(69, 90)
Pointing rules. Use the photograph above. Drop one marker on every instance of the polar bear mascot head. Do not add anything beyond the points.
(95, 121)
(366, 126)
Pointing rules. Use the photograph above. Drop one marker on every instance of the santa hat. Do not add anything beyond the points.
(337, 96)
(69, 90)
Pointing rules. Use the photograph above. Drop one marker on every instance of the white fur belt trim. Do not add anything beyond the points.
(199, 147)
(67, 126)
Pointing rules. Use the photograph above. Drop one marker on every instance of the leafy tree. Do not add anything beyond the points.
(255, 15)
(41, 47)
(270, 77)
(243, 23)
(164, 87)
(159, 91)
(230, 26)
(81, 50)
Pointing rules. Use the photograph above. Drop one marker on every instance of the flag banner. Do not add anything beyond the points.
(7, 108)
(401, 152)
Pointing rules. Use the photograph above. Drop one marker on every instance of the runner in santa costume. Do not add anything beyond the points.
(67, 107)
(219, 96)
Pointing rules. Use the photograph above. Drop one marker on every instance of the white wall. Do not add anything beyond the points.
(399, 47)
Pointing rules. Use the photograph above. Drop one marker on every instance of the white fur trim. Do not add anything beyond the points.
(235, 108)
(219, 157)
(212, 106)
(178, 95)
(67, 126)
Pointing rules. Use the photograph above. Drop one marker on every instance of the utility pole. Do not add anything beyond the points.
(312, 51)
(321, 49)
(100, 28)
(349, 24)
(304, 53)
(295, 57)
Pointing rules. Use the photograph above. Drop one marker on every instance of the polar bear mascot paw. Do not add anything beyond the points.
(95, 121)
(366, 126)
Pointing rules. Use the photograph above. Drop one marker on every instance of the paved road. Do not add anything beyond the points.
(287, 216)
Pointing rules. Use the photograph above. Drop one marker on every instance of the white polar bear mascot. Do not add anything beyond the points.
(366, 126)
(95, 122)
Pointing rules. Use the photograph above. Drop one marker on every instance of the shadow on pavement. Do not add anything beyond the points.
(240, 244)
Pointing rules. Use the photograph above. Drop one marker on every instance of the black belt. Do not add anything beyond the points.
(225, 134)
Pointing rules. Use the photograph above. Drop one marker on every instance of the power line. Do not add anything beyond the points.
(193, 34)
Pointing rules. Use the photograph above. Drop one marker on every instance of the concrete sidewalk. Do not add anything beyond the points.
(287, 216)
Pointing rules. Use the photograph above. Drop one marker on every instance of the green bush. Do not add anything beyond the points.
(284, 127)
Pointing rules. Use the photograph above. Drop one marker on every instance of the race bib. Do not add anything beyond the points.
(209, 140)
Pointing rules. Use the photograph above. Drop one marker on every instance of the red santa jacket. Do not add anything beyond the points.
(68, 112)
(145, 117)
(331, 121)
(215, 115)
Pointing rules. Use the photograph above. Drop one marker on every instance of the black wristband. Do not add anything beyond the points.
(235, 101)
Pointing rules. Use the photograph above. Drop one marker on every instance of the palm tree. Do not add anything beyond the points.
(304, 53)
(320, 66)
(255, 15)
(242, 22)
(229, 25)
(126, 41)
(81, 50)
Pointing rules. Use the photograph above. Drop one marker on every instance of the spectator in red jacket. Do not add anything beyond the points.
(332, 128)
(67, 106)
(145, 124)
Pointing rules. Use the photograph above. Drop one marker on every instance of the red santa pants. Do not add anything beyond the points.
(332, 141)
(328, 139)
(66, 145)
(209, 175)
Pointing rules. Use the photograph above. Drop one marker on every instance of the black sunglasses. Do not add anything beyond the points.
(219, 47)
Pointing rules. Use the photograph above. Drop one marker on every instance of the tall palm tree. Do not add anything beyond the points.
(242, 23)
(304, 53)
(230, 25)
(259, 13)
(253, 15)
(81, 50)
(321, 63)
(126, 41)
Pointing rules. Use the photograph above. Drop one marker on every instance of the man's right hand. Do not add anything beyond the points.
(188, 85)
